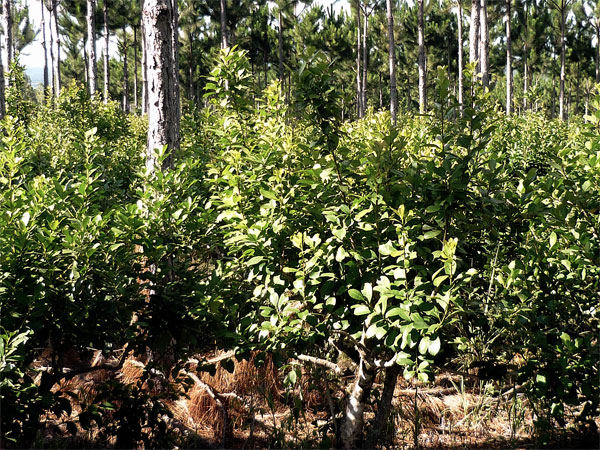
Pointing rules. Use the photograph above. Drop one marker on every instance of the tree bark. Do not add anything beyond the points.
(2, 88)
(352, 428)
(224, 37)
(280, 46)
(163, 117)
(525, 57)
(461, 88)
(7, 25)
(176, 106)
(384, 407)
(135, 69)
(91, 47)
(561, 106)
(50, 29)
(144, 70)
(106, 53)
(125, 74)
(484, 42)
(597, 49)
(422, 67)
(56, 61)
(44, 46)
(365, 61)
(359, 106)
(474, 33)
(509, 77)
(392, 61)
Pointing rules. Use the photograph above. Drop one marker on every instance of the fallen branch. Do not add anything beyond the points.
(227, 355)
(438, 392)
(216, 398)
(321, 362)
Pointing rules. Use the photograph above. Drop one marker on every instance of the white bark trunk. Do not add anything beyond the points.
(56, 62)
(358, 72)
(106, 54)
(91, 47)
(460, 58)
(163, 117)
(509, 77)
(392, 61)
(125, 74)
(352, 428)
(561, 106)
(484, 42)
(474, 33)
(224, 37)
(2, 86)
(8, 35)
(422, 63)
(44, 46)
(365, 61)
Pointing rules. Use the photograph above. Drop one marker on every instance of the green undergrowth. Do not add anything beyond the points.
(463, 241)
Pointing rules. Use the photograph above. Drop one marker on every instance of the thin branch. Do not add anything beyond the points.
(360, 347)
(321, 362)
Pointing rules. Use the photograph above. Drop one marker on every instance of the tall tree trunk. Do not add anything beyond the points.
(484, 42)
(461, 88)
(525, 59)
(44, 46)
(509, 76)
(359, 106)
(106, 53)
(191, 67)
(224, 36)
(144, 69)
(577, 91)
(553, 114)
(175, 99)
(352, 427)
(422, 67)
(163, 123)
(392, 61)
(280, 46)
(561, 106)
(597, 49)
(86, 63)
(51, 31)
(474, 33)
(125, 74)
(384, 407)
(2, 86)
(56, 63)
(91, 47)
(135, 69)
(365, 61)
(7, 25)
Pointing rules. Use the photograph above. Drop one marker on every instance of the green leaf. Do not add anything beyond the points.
(268, 194)
(434, 346)
(356, 295)
(255, 260)
(586, 186)
(439, 280)
(368, 291)
(361, 310)
(394, 312)
(431, 234)
(25, 218)
(552, 239)
(424, 345)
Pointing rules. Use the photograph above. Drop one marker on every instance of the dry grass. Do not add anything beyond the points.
(249, 406)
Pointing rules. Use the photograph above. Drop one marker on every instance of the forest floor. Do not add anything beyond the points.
(248, 408)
